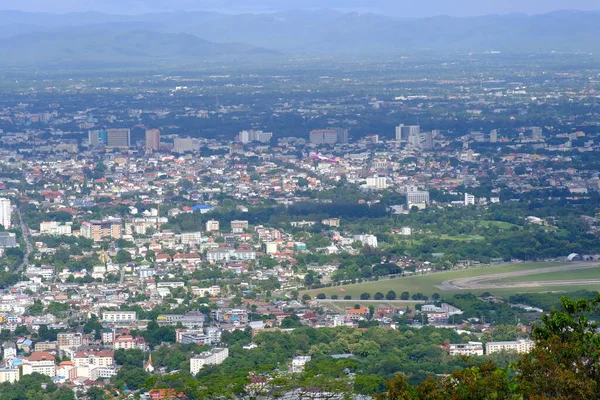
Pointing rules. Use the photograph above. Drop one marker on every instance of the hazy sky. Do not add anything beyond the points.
(406, 8)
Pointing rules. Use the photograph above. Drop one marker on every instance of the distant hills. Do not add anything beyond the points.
(39, 37)
(116, 46)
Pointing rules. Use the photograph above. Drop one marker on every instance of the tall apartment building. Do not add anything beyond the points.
(191, 238)
(246, 137)
(118, 138)
(417, 197)
(97, 138)
(469, 199)
(377, 182)
(5, 213)
(69, 339)
(405, 132)
(213, 357)
(99, 230)
(239, 226)
(329, 136)
(152, 139)
(212, 226)
(184, 145)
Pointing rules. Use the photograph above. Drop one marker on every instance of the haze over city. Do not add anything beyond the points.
(426, 8)
(299, 200)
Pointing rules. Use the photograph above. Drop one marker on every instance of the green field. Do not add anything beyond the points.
(592, 273)
(499, 224)
(462, 237)
(427, 283)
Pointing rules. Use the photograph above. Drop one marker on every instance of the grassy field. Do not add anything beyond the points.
(426, 284)
(499, 224)
(593, 273)
(462, 237)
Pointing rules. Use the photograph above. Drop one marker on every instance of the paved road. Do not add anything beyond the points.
(28, 246)
(485, 281)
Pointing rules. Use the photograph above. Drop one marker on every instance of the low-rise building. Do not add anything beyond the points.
(466, 349)
(520, 346)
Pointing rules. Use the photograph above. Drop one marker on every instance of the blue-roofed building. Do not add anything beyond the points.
(202, 208)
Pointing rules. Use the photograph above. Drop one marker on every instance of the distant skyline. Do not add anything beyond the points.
(400, 8)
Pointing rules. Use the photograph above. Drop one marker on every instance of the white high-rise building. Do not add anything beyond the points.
(469, 199)
(5, 213)
(404, 132)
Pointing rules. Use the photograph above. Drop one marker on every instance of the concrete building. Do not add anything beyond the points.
(366, 240)
(299, 363)
(466, 349)
(212, 226)
(469, 199)
(377, 182)
(405, 132)
(119, 316)
(213, 357)
(419, 198)
(8, 374)
(519, 346)
(55, 228)
(118, 138)
(40, 362)
(69, 339)
(191, 238)
(183, 145)
(5, 213)
(99, 230)
(8, 240)
(246, 137)
(239, 226)
(323, 136)
(152, 139)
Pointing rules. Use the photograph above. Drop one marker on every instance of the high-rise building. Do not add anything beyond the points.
(183, 145)
(152, 139)
(417, 197)
(98, 230)
(493, 136)
(404, 132)
(246, 137)
(97, 138)
(342, 135)
(469, 199)
(118, 138)
(537, 133)
(323, 136)
(5, 213)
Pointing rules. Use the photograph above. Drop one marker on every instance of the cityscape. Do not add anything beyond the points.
(384, 224)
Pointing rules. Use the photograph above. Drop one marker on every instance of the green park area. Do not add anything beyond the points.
(427, 283)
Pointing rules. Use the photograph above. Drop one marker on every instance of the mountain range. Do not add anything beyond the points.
(90, 36)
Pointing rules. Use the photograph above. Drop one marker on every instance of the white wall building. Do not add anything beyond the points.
(520, 346)
(469, 199)
(212, 357)
(119, 316)
(366, 240)
(466, 349)
(5, 213)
